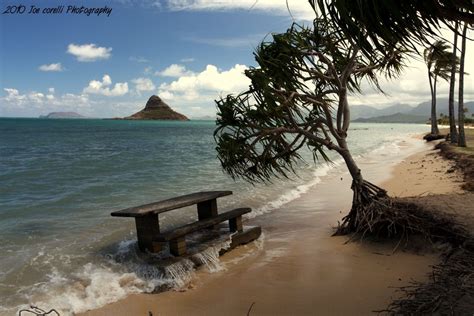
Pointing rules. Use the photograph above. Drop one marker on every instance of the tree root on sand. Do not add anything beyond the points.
(375, 214)
(450, 290)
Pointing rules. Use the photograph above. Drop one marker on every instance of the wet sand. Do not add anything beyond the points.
(299, 269)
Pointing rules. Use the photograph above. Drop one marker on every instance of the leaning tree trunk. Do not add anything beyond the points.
(452, 122)
(462, 136)
(364, 194)
(434, 119)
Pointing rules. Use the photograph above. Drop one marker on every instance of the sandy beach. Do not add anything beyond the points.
(298, 268)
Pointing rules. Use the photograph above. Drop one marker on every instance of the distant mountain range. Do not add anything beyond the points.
(62, 115)
(398, 113)
(404, 113)
(394, 118)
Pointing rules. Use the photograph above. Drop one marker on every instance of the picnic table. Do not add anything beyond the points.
(151, 239)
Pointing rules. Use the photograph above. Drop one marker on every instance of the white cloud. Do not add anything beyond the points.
(173, 70)
(206, 85)
(32, 104)
(77, 99)
(143, 84)
(51, 67)
(89, 52)
(35, 103)
(300, 9)
(51, 90)
(412, 87)
(166, 95)
(37, 97)
(13, 95)
(103, 87)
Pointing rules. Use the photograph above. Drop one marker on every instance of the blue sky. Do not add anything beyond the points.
(187, 51)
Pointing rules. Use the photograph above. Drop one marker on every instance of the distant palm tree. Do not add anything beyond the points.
(453, 133)
(462, 136)
(438, 60)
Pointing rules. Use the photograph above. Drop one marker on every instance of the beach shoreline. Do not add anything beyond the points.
(299, 268)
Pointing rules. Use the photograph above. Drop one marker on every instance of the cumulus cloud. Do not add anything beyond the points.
(36, 97)
(34, 103)
(300, 9)
(166, 95)
(143, 84)
(173, 70)
(206, 85)
(13, 95)
(89, 52)
(51, 67)
(412, 87)
(104, 87)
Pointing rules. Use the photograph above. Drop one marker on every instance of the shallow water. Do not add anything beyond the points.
(60, 179)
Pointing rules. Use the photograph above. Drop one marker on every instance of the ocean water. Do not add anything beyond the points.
(60, 179)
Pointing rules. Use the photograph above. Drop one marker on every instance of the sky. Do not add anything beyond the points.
(189, 52)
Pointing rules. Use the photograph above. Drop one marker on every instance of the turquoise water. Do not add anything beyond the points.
(60, 179)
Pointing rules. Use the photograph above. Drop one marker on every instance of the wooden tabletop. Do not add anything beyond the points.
(170, 204)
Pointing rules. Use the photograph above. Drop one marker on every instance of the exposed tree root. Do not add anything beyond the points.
(376, 214)
(451, 289)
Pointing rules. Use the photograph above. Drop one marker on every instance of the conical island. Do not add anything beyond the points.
(156, 109)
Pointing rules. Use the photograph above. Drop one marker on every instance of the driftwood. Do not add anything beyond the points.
(430, 137)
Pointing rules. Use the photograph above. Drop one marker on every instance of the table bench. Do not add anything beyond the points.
(148, 228)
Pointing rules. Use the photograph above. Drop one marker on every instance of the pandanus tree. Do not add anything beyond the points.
(298, 98)
(438, 61)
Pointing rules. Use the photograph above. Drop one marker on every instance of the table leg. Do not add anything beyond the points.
(148, 227)
(206, 210)
(178, 246)
(235, 224)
